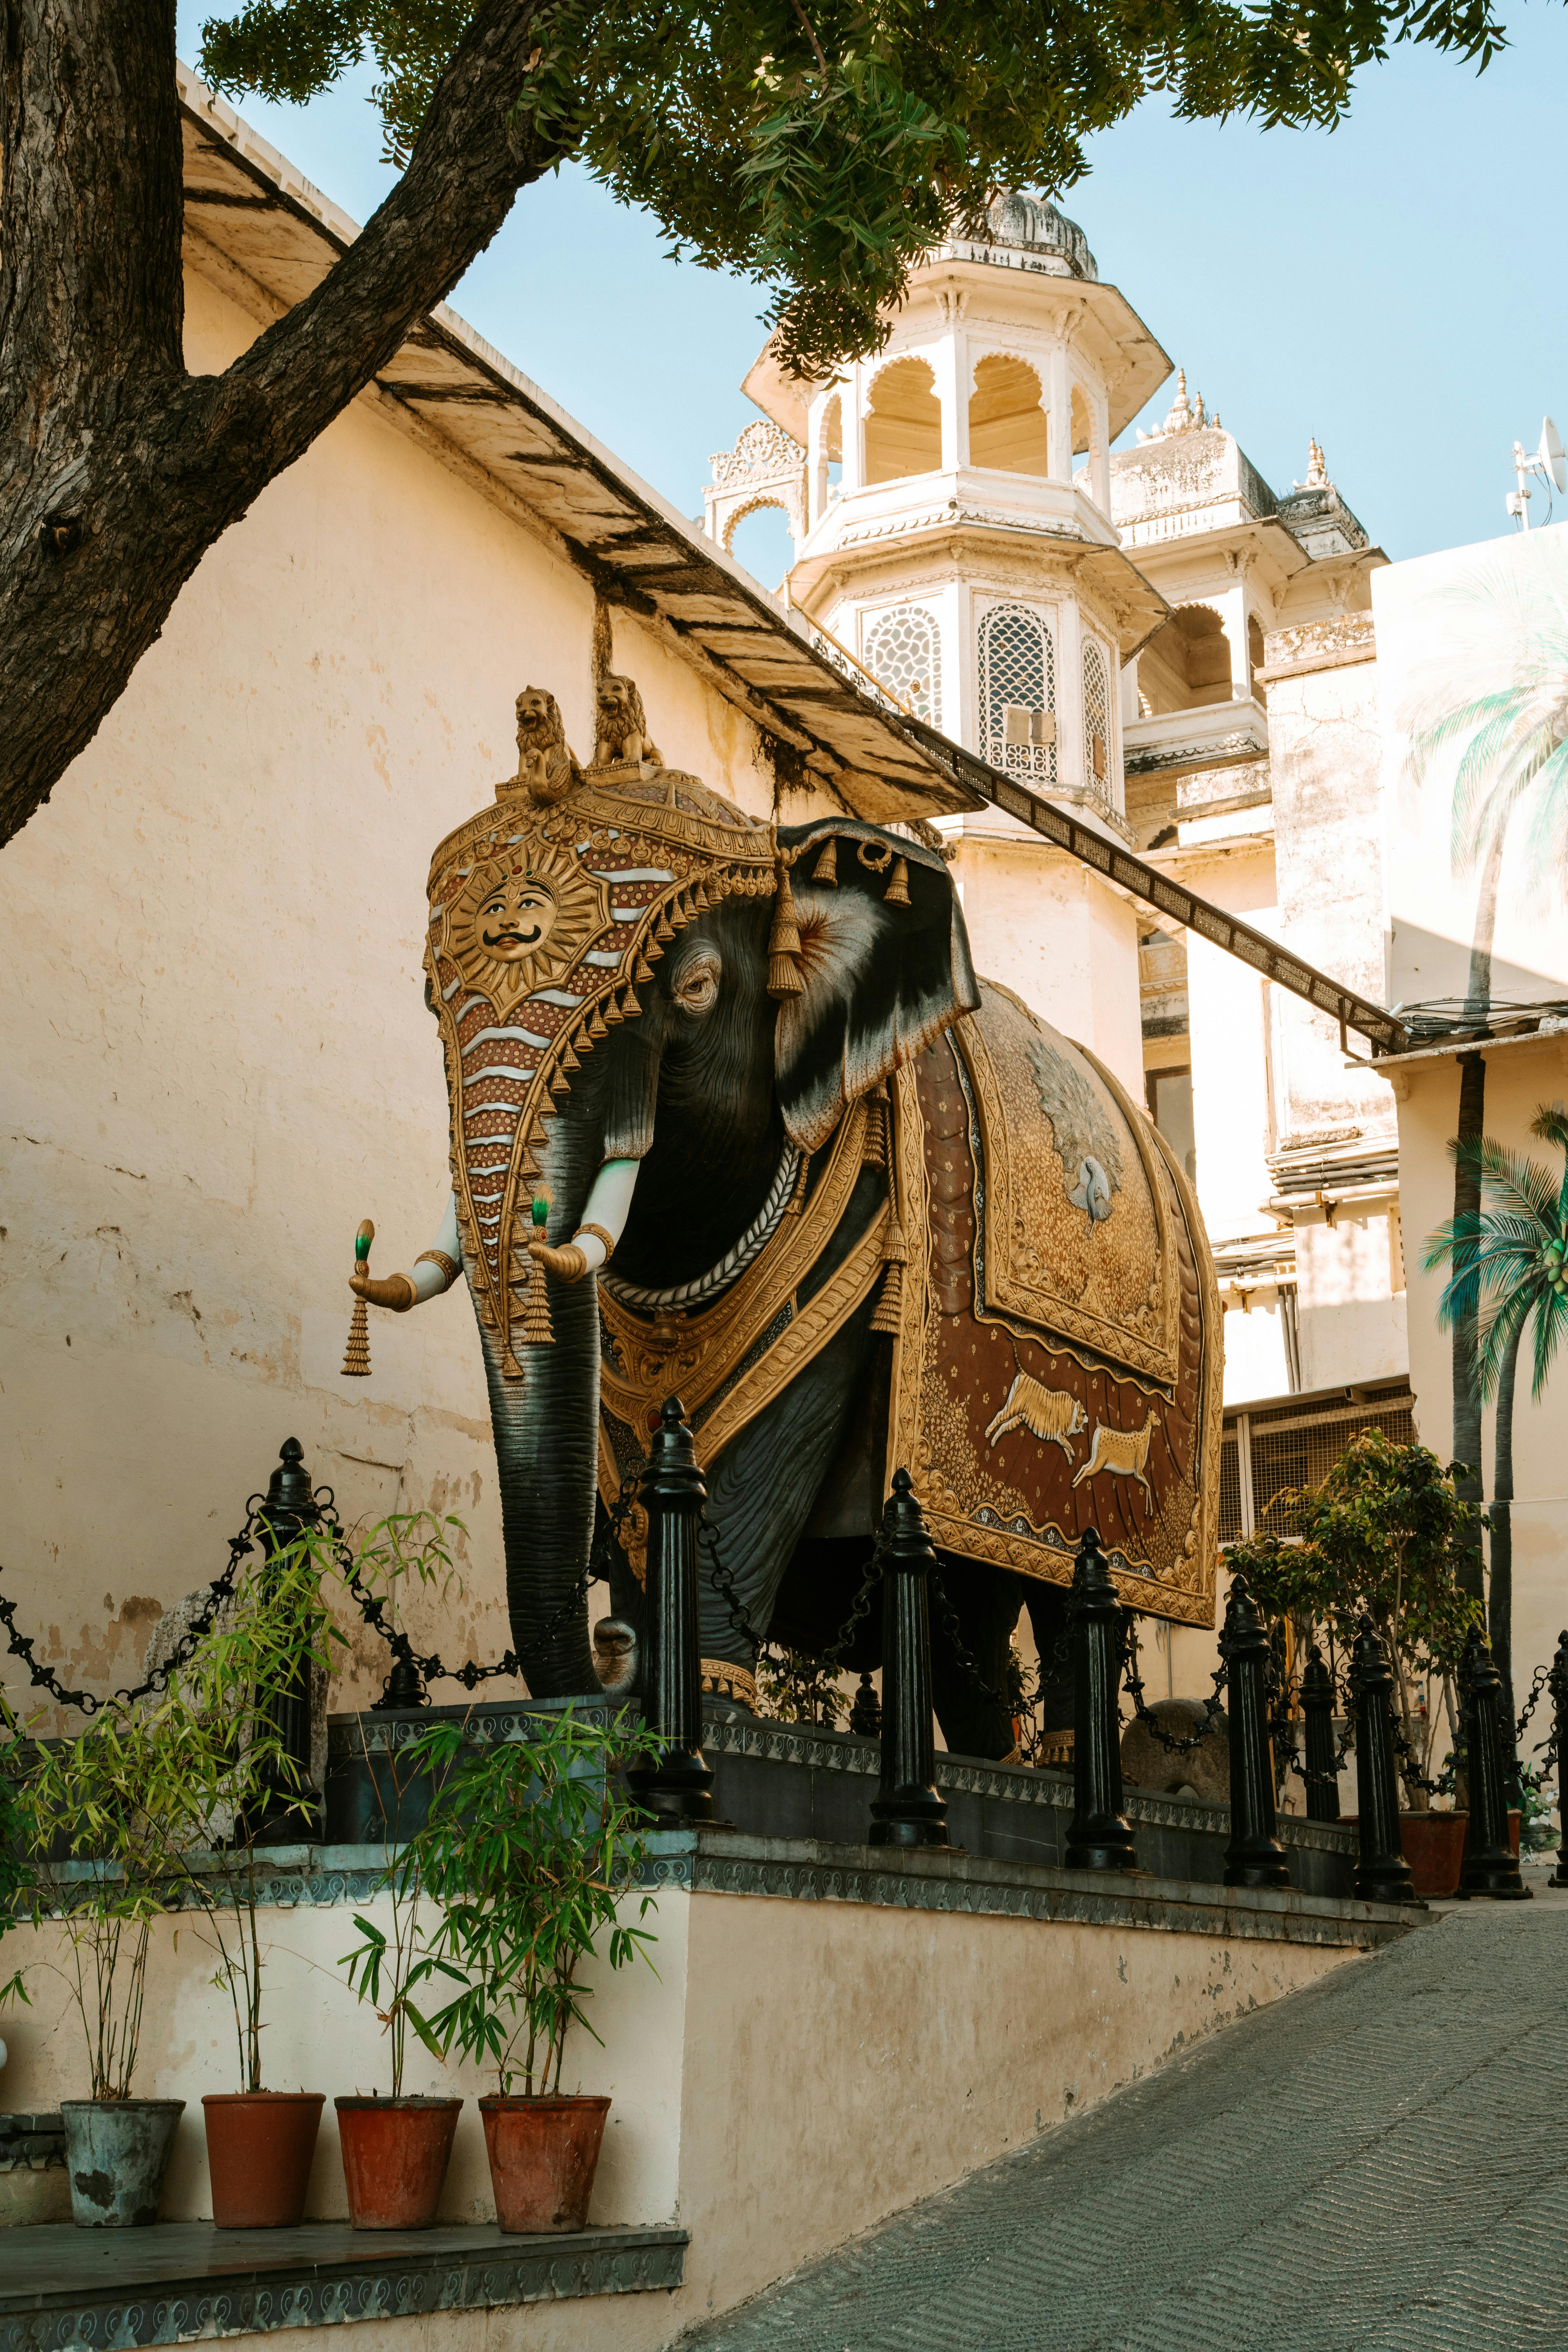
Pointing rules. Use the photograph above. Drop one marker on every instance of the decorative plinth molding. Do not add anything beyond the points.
(725, 1861)
(185, 2280)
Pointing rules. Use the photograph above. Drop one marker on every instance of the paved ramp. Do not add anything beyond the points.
(1378, 2163)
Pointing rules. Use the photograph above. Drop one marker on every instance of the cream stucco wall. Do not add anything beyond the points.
(1519, 1078)
(1051, 930)
(797, 2071)
(219, 1058)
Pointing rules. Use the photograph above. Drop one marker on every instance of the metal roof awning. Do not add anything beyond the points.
(246, 203)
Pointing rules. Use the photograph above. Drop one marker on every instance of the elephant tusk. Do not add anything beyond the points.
(603, 1222)
(567, 1264)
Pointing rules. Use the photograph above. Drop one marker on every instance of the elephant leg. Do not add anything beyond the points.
(764, 1485)
(1048, 1608)
(984, 1602)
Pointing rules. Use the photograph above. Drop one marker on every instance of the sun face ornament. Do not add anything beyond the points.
(521, 922)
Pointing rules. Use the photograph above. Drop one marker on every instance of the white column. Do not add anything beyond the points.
(852, 430)
(961, 700)
(1100, 408)
(815, 461)
(947, 364)
(1058, 412)
(1232, 608)
(1069, 697)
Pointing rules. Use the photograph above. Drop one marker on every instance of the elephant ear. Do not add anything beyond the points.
(883, 964)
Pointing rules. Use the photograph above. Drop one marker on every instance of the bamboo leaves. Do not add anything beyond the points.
(528, 1851)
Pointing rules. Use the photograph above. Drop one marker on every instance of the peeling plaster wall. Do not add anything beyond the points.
(1325, 754)
(219, 1058)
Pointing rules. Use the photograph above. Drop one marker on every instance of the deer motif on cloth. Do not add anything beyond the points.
(1122, 1453)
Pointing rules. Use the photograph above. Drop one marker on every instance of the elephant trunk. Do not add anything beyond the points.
(546, 1435)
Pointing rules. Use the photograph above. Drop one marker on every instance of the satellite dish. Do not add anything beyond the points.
(1554, 457)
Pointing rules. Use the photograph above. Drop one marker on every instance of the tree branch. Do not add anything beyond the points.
(468, 165)
(119, 471)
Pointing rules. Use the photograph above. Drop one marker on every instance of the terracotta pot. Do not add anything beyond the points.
(395, 2153)
(1433, 1846)
(543, 2154)
(261, 2144)
(117, 2152)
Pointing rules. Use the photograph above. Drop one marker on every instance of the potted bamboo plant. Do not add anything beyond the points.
(225, 1770)
(528, 1851)
(1382, 1537)
(396, 2149)
(94, 1795)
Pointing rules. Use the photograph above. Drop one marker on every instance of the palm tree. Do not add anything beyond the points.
(1503, 696)
(1509, 1266)
(1500, 690)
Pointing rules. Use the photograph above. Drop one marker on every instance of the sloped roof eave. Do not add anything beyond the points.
(247, 202)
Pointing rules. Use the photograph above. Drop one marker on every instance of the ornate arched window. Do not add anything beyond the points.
(903, 653)
(1096, 720)
(1018, 693)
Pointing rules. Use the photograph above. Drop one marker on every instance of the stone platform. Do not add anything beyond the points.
(788, 1780)
(66, 2290)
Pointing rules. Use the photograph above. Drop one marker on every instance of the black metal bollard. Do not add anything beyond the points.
(278, 1817)
(1557, 1683)
(1322, 1773)
(678, 1788)
(1383, 1874)
(907, 1810)
(866, 1711)
(1489, 1866)
(1099, 1836)
(1255, 1856)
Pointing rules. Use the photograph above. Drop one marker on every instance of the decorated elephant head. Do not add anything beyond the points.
(635, 971)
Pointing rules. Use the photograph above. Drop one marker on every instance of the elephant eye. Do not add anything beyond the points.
(696, 988)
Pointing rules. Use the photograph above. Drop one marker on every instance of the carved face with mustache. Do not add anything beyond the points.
(516, 920)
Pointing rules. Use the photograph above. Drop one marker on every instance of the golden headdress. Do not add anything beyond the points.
(547, 910)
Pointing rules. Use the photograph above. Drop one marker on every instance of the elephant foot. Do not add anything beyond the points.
(729, 1691)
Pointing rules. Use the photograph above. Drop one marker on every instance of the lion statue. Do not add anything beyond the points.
(546, 766)
(622, 733)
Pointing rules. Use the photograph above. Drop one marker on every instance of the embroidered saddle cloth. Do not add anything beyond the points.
(1059, 1362)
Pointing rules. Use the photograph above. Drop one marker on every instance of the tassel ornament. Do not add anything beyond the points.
(896, 893)
(538, 1329)
(356, 1354)
(826, 869)
(784, 943)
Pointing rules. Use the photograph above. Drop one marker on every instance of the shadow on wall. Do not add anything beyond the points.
(1427, 965)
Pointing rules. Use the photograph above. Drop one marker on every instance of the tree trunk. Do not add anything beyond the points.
(1478, 993)
(119, 470)
(1466, 1371)
(1500, 1612)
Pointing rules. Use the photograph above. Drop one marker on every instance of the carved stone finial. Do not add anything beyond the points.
(1317, 467)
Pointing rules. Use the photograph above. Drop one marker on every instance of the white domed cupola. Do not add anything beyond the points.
(956, 490)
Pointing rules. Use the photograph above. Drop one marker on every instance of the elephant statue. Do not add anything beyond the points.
(732, 1119)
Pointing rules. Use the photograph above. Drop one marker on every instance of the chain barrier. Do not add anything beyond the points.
(88, 1703)
(429, 1669)
(967, 1663)
(1145, 1713)
(723, 1583)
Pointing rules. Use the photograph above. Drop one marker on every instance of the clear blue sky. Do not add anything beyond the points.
(1396, 287)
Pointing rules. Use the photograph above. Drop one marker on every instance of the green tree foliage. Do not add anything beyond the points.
(794, 1686)
(1381, 1537)
(821, 146)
